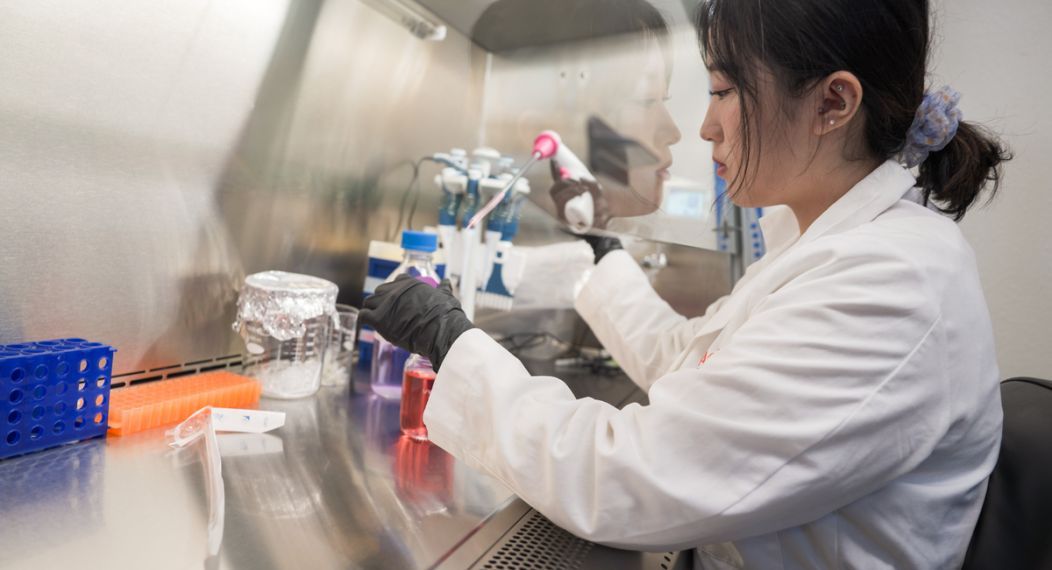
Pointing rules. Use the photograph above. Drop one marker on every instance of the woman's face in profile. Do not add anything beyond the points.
(638, 112)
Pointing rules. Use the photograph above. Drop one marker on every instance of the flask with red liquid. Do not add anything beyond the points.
(416, 389)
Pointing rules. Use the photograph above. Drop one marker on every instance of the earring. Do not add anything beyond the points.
(832, 122)
(839, 88)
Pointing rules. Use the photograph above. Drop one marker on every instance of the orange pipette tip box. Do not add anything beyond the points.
(137, 408)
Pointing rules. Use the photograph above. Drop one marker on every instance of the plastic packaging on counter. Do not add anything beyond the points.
(204, 423)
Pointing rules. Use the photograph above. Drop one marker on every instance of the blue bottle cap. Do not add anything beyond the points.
(419, 241)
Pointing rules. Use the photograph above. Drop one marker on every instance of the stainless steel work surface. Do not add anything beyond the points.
(336, 487)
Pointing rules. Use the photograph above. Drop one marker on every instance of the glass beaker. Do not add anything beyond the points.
(286, 320)
(338, 358)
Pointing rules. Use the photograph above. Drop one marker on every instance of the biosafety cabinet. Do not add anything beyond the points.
(156, 153)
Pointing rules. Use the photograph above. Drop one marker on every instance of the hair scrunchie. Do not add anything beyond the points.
(934, 125)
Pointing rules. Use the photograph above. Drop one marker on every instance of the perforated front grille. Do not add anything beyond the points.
(231, 362)
(536, 543)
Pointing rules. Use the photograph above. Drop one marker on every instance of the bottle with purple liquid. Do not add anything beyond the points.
(388, 359)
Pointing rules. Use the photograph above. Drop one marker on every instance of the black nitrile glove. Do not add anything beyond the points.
(565, 190)
(602, 245)
(416, 316)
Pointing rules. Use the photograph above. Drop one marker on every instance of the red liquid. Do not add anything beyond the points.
(423, 474)
(416, 389)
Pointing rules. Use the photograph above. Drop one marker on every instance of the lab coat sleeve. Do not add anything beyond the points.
(641, 331)
(546, 277)
(829, 391)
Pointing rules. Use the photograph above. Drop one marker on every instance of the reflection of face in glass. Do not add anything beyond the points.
(557, 65)
(636, 110)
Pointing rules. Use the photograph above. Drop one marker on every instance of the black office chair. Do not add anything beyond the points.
(1015, 525)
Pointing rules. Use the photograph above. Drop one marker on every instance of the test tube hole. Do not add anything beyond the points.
(62, 369)
(59, 427)
(78, 423)
(14, 417)
(15, 396)
(41, 372)
(103, 362)
(100, 382)
(36, 432)
(80, 403)
(17, 375)
(98, 418)
(99, 400)
(13, 437)
(83, 365)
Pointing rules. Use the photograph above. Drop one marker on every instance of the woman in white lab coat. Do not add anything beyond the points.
(840, 408)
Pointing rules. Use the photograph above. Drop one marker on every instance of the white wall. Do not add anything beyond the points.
(997, 55)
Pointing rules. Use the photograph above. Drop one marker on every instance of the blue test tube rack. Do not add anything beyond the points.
(53, 392)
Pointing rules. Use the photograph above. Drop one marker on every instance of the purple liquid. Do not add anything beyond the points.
(388, 359)
(388, 369)
(422, 277)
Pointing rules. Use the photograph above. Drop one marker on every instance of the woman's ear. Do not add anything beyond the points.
(840, 98)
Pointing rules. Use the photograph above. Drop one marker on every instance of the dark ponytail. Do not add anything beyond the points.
(955, 176)
(884, 43)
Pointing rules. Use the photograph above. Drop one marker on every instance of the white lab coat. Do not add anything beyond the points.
(839, 409)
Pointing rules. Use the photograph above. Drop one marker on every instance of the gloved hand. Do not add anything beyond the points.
(602, 245)
(565, 190)
(417, 317)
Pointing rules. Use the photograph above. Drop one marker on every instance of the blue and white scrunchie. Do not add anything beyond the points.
(934, 126)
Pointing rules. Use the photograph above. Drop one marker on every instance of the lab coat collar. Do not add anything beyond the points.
(874, 194)
(868, 199)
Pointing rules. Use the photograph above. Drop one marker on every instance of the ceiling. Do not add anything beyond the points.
(537, 22)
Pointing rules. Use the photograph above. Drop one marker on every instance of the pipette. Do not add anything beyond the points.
(499, 197)
(579, 212)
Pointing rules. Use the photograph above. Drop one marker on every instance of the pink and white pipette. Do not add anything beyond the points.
(579, 211)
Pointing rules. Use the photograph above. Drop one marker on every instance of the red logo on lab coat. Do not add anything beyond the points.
(707, 356)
